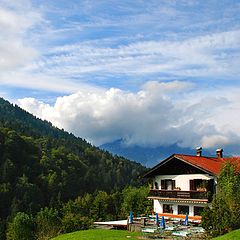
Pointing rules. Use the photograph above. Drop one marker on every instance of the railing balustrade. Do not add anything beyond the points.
(180, 194)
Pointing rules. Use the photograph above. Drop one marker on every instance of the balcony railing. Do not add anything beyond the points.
(181, 194)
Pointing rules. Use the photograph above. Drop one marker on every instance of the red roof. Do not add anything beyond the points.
(210, 164)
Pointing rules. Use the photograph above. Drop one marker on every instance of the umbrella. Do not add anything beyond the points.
(162, 222)
(186, 220)
(131, 217)
(157, 220)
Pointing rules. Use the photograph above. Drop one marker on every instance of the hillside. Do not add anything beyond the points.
(41, 165)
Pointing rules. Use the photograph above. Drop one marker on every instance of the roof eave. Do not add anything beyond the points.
(146, 175)
(158, 165)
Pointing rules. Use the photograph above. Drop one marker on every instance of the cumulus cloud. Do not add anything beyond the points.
(158, 114)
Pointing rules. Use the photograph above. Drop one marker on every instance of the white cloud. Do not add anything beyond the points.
(65, 65)
(43, 82)
(211, 55)
(215, 140)
(47, 47)
(159, 114)
(16, 20)
(163, 87)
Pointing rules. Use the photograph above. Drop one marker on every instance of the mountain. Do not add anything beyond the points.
(41, 165)
(148, 156)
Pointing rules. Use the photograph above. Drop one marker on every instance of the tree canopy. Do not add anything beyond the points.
(224, 215)
(43, 166)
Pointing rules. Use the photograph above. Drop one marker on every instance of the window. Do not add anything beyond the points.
(156, 185)
(167, 184)
(183, 209)
(198, 211)
(198, 184)
(167, 208)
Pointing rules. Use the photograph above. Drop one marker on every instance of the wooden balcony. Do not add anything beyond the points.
(176, 194)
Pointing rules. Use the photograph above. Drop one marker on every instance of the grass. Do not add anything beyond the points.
(234, 235)
(99, 234)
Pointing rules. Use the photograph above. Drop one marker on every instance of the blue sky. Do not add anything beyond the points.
(86, 60)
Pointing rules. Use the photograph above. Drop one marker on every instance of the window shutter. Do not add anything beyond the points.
(163, 184)
(173, 184)
(205, 183)
(192, 185)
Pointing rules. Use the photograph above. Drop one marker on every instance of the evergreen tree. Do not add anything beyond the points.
(43, 166)
(224, 215)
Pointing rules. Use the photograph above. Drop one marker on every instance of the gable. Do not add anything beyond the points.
(188, 164)
(174, 166)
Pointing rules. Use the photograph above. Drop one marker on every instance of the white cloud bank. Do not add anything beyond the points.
(158, 114)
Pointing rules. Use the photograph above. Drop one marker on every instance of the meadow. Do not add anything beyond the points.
(99, 234)
(234, 235)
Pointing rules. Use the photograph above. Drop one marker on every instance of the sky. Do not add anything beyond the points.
(151, 73)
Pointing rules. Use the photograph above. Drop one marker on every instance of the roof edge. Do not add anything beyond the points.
(158, 165)
(177, 156)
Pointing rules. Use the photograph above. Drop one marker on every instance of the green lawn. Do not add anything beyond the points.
(99, 234)
(234, 235)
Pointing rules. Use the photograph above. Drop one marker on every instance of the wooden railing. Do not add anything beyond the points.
(180, 194)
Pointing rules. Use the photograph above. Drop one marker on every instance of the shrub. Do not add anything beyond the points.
(21, 228)
(73, 222)
(48, 223)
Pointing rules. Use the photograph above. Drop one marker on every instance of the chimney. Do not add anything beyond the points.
(199, 151)
(219, 152)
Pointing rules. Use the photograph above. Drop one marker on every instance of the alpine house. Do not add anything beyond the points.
(185, 184)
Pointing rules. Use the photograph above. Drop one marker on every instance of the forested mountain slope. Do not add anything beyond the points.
(41, 165)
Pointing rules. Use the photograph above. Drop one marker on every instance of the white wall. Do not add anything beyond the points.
(158, 206)
(182, 181)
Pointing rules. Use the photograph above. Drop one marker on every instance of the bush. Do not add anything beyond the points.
(73, 222)
(135, 200)
(21, 228)
(48, 224)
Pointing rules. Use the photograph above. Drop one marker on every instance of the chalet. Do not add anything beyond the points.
(184, 183)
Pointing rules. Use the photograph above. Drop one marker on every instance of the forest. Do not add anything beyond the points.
(45, 170)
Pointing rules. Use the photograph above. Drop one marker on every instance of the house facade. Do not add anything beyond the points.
(184, 183)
